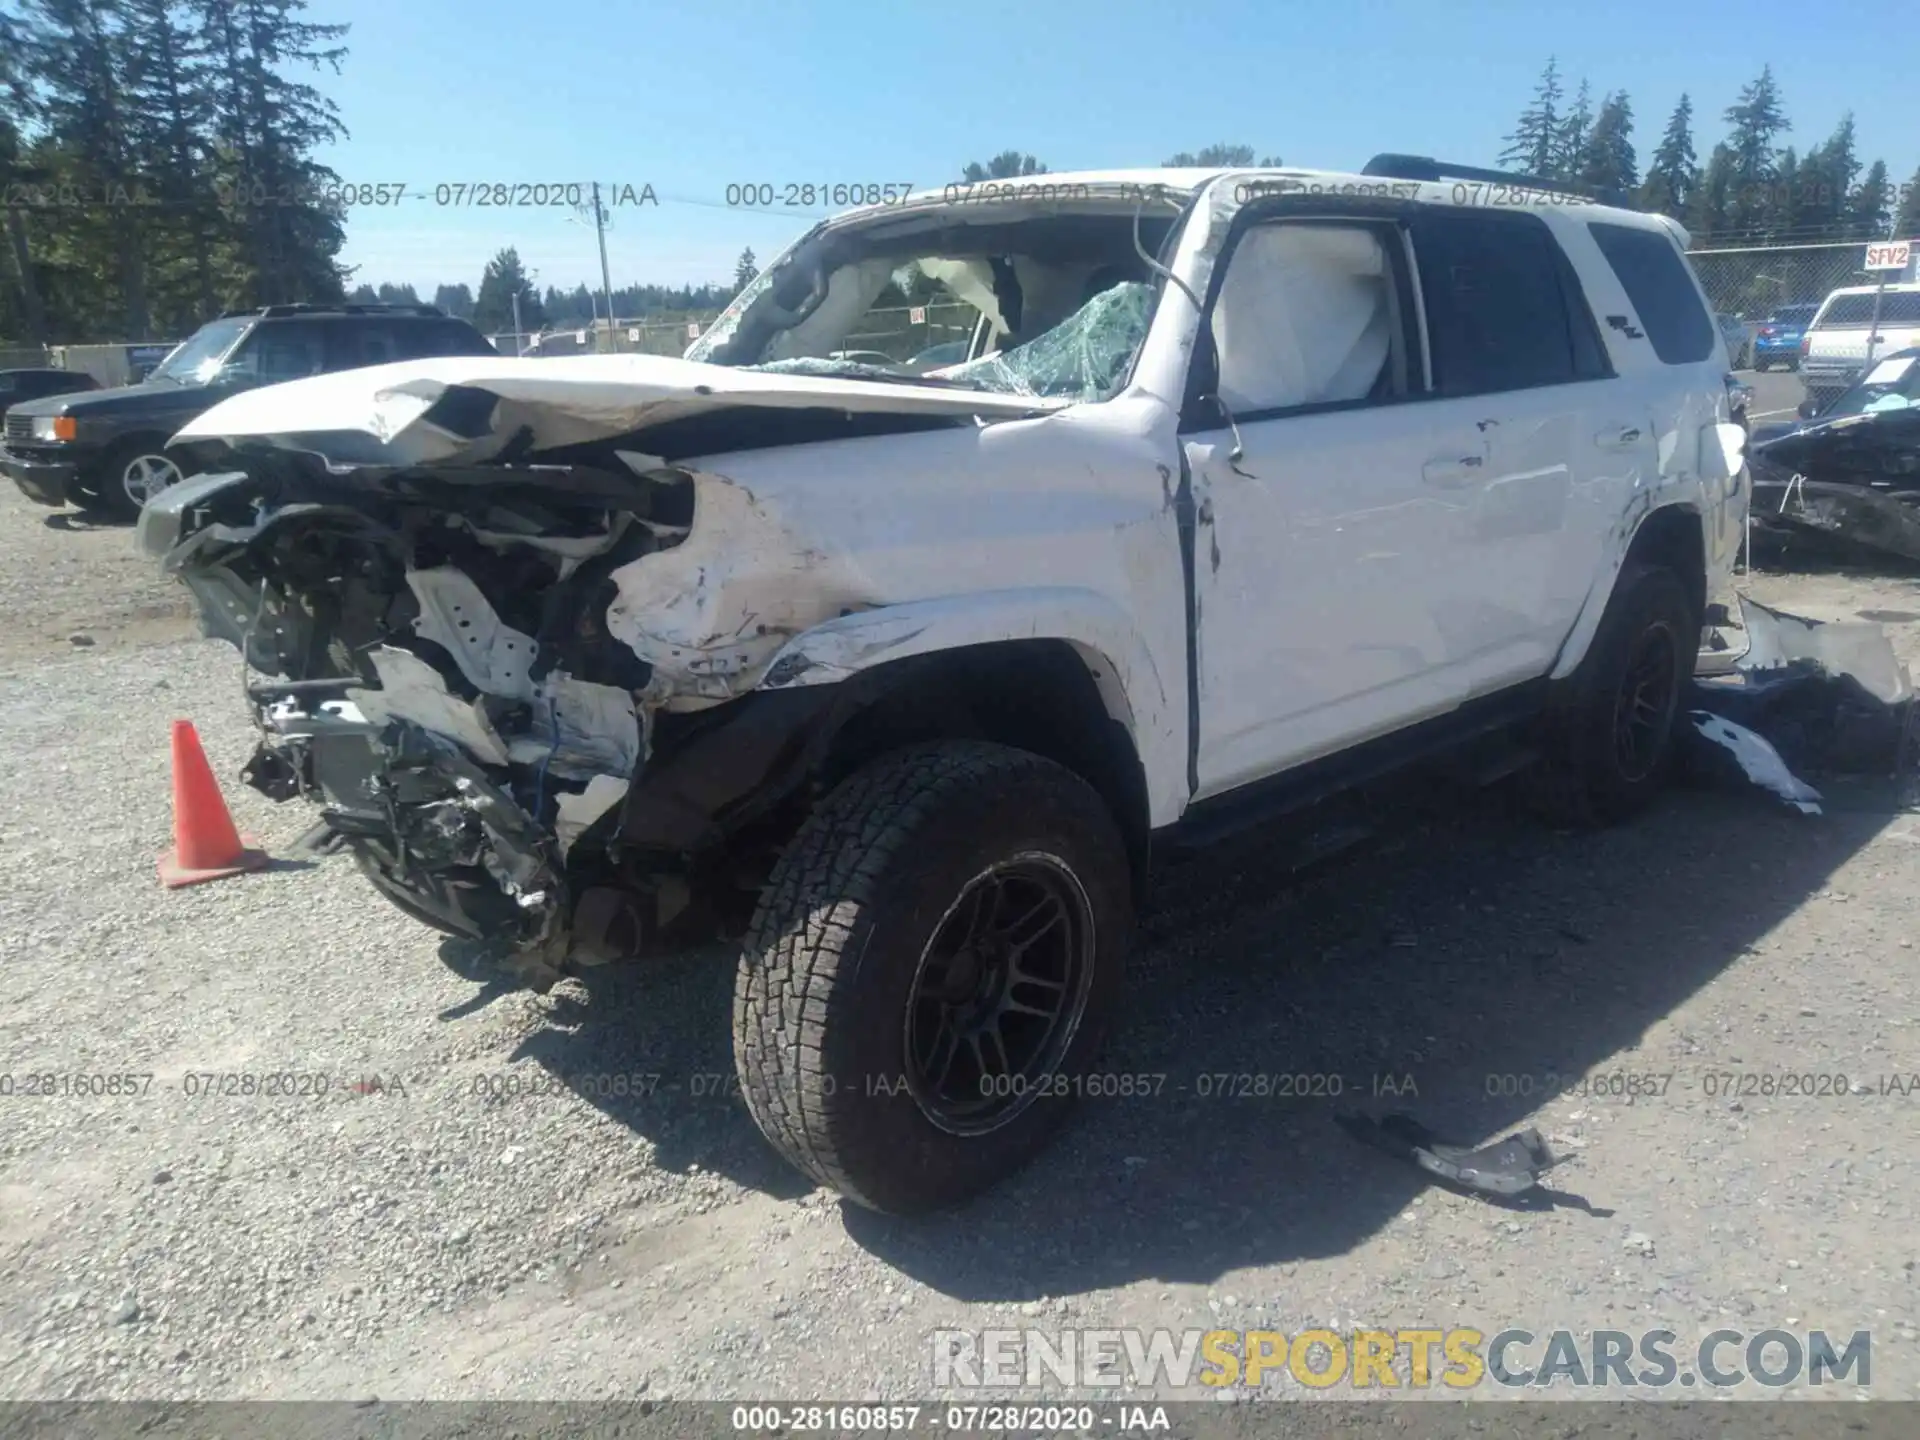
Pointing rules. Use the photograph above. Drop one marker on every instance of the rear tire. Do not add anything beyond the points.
(931, 972)
(1610, 743)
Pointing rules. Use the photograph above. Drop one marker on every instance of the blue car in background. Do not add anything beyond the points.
(1778, 337)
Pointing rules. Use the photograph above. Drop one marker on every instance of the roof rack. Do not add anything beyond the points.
(280, 312)
(1423, 167)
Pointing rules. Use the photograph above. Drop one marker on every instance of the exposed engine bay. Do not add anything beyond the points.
(442, 679)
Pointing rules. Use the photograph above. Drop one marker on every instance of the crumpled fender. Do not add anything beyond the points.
(1134, 691)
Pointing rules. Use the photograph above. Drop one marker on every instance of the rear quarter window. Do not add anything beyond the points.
(421, 338)
(1650, 269)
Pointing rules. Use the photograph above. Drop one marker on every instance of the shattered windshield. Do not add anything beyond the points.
(199, 355)
(1893, 384)
(1085, 357)
(1054, 306)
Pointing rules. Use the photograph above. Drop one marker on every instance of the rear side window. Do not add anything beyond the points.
(381, 341)
(417, 338)
(285, 350)
(1655, 278)
(1500, 313)
(1897, 307)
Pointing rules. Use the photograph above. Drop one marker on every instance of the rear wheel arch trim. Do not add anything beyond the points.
(1653, 522)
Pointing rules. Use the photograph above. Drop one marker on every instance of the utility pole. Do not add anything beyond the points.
(606, 280)
(519, 340)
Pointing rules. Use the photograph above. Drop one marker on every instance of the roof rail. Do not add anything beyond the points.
(1423, 167)
(280, 312)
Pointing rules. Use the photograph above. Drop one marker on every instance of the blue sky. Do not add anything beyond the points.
(689, 97)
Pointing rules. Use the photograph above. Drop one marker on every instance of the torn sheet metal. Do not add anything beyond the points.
(411, 689)
(710, 614)
(579, 729)
(467, 408)
(1858, 649)
(1827, 698)
(1757, 760)
(1507, 1167)
(577, 811)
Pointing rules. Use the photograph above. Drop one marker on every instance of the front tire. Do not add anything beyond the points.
(1610, 742)
(931, 972)
(131, 474)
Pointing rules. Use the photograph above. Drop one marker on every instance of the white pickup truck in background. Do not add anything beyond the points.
(1836, 351)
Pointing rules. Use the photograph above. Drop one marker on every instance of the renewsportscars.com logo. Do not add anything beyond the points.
(1416, 1358)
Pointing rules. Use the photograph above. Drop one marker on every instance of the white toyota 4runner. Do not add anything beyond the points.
(1250, 485)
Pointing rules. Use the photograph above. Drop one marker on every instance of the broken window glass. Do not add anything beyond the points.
(1085, 357)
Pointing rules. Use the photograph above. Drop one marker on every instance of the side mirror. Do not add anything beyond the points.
(1806, 410)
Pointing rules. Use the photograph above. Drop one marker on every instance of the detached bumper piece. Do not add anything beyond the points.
(1506, 1168)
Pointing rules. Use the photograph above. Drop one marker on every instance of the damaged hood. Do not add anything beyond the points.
(468, 408)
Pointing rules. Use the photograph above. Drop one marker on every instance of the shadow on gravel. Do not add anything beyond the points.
(81, 522)
(1472, 946)
(651, 1046)
(1470, 951)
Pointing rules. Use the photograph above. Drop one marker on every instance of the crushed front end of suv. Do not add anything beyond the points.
(899, 674)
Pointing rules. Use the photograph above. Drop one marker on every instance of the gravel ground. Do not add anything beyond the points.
(407, 1234)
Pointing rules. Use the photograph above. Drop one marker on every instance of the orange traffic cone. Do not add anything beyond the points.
(205, 844)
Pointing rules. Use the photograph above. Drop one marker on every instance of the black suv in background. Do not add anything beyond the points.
(106, 450)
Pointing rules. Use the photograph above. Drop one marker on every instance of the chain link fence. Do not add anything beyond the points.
(1753, 284)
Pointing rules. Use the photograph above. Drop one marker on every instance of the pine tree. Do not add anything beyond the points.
(1906, 225)
(1673, 173)
(1570, 147)
(77, 58)
(266, 127)
(504, 278)
(1533, 145)
(1870, 206)
(168, 111)
(744, 269)
(1757, 119)
(456, 300)
(21, 310)
(1711, 202)
(1609, 161)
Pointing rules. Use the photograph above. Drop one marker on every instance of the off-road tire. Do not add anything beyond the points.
(828, 969)
(1581, 780)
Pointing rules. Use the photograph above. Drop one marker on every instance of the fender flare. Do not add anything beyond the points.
(1098, 629)
(1586, 625)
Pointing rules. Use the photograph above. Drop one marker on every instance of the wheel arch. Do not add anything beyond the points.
(722, 770)
(1671, 535)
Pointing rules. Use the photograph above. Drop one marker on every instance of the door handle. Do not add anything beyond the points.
(1621, 437)
(1452, 470)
